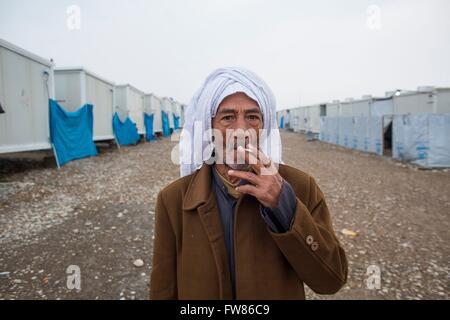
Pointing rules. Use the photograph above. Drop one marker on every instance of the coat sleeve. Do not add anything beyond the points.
(163, 282)
(311, 246)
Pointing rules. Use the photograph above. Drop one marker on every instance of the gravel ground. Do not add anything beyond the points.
(98, 214)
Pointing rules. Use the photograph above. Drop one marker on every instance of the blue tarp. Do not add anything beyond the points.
(329, 129)
(148, 122)
(126, 132)
(71, 133)
(176, 121)
(165, 124)
(282, 122)
(360, 133)
(422, 139)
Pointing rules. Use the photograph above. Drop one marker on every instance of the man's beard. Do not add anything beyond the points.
(237, 164)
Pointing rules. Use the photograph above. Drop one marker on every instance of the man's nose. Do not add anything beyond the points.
(240, 123)
(241, 132)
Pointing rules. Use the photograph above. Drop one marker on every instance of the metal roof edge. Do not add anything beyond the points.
(25, 53)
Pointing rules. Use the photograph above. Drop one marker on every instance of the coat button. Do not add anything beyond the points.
(314, 246)
(309, 240)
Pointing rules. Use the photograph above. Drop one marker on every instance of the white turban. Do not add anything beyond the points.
(203, 107)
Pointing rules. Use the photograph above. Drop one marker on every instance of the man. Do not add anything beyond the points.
(240, 224)
(287, 120)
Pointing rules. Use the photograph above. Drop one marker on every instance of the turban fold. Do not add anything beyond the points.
(220, 84)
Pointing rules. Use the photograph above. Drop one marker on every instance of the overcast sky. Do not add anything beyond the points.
(307, 51)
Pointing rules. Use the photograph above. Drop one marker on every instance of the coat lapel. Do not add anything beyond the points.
(201, 198)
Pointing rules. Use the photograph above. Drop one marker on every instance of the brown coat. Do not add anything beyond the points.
(190, 259)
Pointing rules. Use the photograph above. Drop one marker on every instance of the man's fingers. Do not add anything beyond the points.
(249, 189)
(249, 176)
(262, 158)
(250, 158)
(254, 163)
(266, 167)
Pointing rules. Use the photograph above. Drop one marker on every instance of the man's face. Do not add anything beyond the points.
(239, 120)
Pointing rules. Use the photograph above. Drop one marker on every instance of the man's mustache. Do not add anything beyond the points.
(236, 144)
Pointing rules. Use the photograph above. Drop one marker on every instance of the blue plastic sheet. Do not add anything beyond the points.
(360, 133)
(329, 129)
(148, 122)
(71, 133)
(126, 132)
(345, 131)
(282, 122)
(423, 139)
(176, 121)
(165, 124)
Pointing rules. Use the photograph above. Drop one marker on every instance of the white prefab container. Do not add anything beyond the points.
(313, 114)
(176, 109)
(129, 101)
(413, 103)
(76, 87)
(303, 119)
(295, 119)
(26, 85)
(356, 108)
(442, 100)
(153, 106)
(382, 107)
(424, 100)
(333, 109)
(167, 108)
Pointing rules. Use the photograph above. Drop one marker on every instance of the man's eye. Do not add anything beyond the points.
(228, 118)
(253, 117)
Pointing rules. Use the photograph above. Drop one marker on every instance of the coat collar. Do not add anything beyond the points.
(199, 190)
(201, 198)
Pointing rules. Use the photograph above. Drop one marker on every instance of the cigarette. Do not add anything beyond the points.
(250, 151)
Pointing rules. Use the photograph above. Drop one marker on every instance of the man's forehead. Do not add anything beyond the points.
(234, 109)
